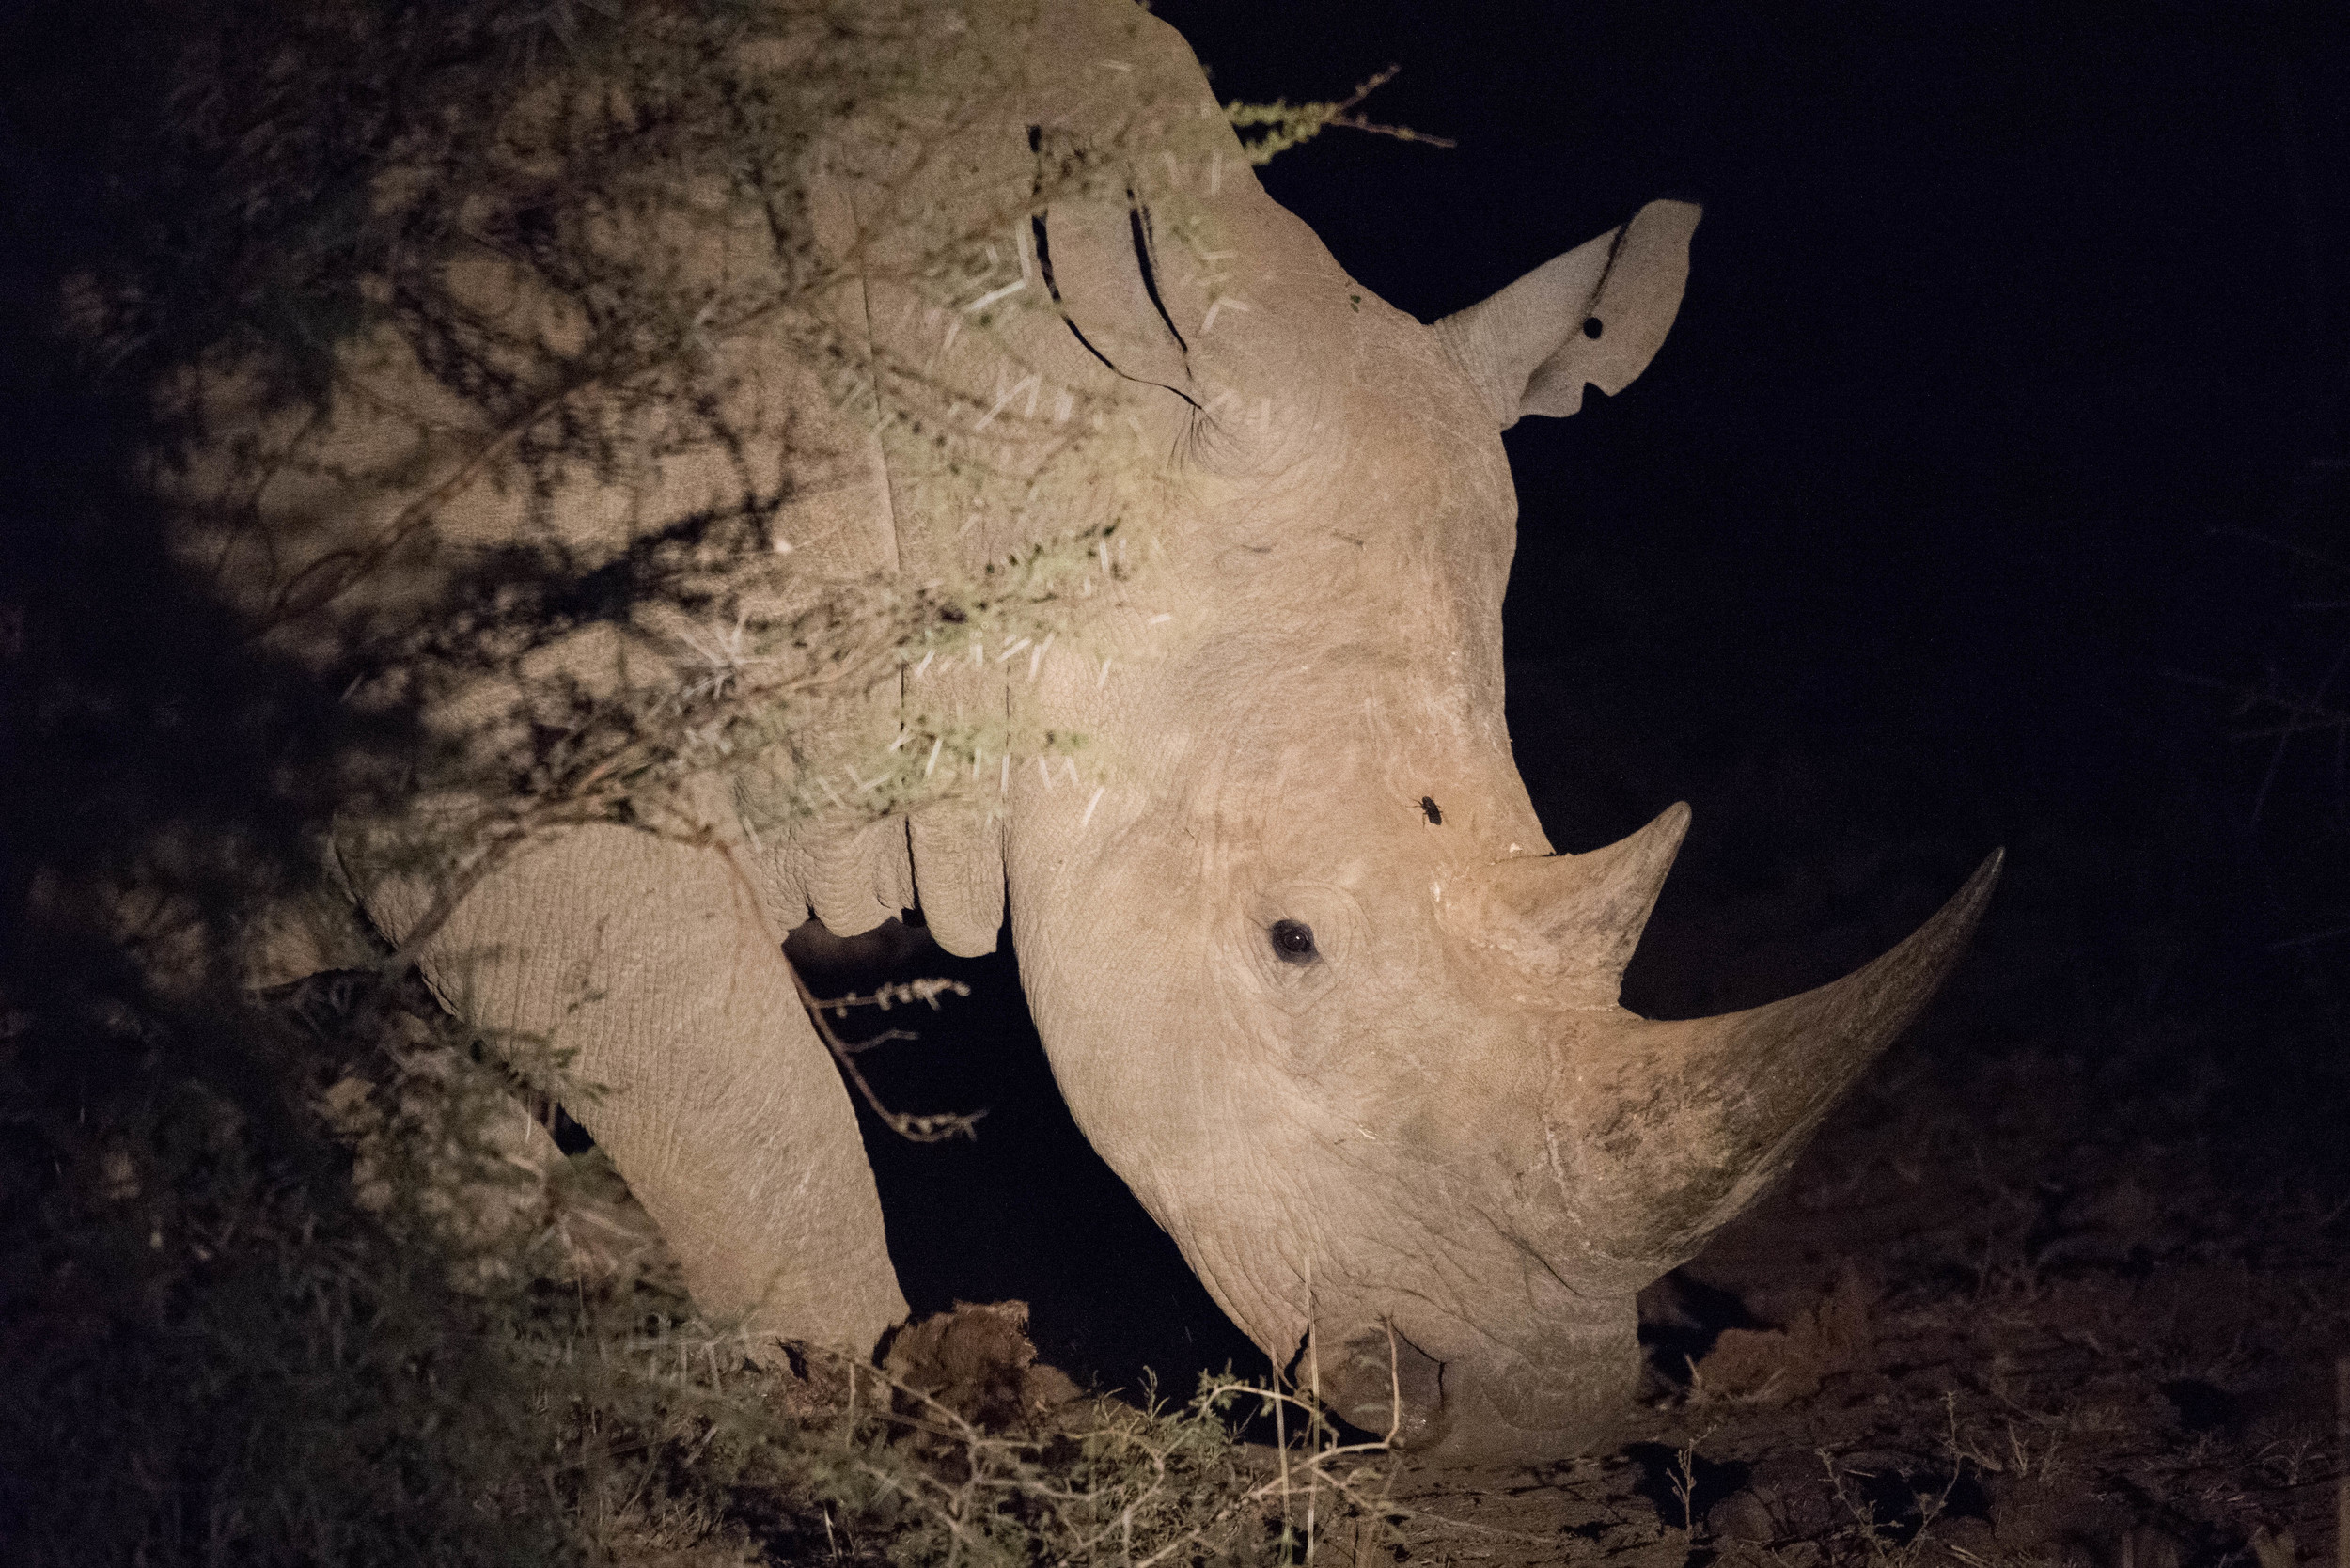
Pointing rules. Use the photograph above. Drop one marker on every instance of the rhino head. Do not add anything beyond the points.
(1312, 977)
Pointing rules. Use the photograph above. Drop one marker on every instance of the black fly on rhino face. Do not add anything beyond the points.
(1429, 809)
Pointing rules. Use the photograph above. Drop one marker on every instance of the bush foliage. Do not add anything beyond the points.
(276, 1284)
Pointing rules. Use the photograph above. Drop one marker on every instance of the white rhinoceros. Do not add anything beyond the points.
(1308, 970)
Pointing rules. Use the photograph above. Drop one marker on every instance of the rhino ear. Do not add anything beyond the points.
(1597, 314)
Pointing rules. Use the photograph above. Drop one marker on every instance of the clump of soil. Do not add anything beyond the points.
(977, 1363)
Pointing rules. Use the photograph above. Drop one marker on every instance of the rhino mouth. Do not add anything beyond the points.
(1572, 1395)
(1499, 1414)
(1382, 1383)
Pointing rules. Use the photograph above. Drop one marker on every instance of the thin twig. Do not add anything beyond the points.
(931, 1127)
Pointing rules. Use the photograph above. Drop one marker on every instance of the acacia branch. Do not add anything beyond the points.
(931, 1127)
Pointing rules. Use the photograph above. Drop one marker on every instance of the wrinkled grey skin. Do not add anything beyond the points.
(1423, 1144)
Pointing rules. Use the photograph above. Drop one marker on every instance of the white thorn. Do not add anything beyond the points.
(783, 545)
(1090, 804)
(1003, 784)
(1064, 404)
(1215, 171)
(1161, 619)
(926, 661)
(935, 745)
(954, 330)
(1104, 678)
(1069, 767)
(1026, 384)
(968, 523)
(979, 654)
(1010, 651)
(976, 755)
(1102, 548)
(993, 294)
(1038, 657)
(1043, 773)
(903, 736)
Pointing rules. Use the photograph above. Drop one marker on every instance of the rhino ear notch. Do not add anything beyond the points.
(1596, 315)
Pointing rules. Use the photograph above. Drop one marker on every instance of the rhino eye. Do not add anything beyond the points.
(1592, 326)
(1294, 941)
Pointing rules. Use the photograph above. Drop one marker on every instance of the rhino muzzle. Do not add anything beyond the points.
(1380, 1381)
(1568, 1393)
(1497, 1415)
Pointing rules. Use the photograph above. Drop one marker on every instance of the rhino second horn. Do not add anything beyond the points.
(1657, 1133)
(1588, 910)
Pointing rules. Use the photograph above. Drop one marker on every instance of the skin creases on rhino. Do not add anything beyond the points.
(1306, 966)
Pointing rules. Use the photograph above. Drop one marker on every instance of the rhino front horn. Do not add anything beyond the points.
(1656, 1134)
